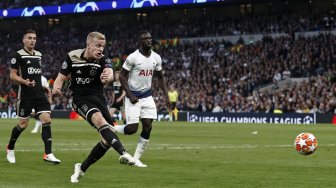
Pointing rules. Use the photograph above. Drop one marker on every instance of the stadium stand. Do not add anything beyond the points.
(221, 76)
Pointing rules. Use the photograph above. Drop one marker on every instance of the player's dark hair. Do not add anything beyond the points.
(29, 31)
(142, 33)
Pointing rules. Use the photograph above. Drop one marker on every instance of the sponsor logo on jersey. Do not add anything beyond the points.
(84, 80)
(35, 11)
(89, 6)
(146, 73)
(33, 70)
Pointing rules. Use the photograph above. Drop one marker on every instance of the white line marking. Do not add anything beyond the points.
(167, 147)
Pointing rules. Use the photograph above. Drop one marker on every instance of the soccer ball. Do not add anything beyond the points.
(305, 143)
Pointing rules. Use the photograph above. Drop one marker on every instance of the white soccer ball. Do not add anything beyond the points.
(305, 143)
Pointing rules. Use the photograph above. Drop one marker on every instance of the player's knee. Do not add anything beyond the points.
(23, 123)
(44, 117)
(131, 128)
(97, 119)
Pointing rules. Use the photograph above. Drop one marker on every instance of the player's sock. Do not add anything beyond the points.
(112, 139)
(17, 130)
(46, 137)
(96, 153)
(141, 147)
(170, 116)
(120, 128)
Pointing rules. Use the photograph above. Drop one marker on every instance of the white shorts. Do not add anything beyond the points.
(145, 108)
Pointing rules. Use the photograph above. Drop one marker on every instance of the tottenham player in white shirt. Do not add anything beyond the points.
(136, 79)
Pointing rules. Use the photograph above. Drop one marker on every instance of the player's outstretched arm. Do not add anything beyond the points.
(58, 84)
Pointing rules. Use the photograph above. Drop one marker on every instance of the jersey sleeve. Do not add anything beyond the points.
(129, 63)
(66, 66)
(158, 66)
(15, 61)
(107, 63)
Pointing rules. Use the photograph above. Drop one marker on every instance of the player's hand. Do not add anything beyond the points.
(57, 91)
(104, 76)
(30, 83)
(133, 99)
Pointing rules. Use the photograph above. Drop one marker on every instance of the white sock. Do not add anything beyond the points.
(120, 128)
(37, 125)
(141, 147)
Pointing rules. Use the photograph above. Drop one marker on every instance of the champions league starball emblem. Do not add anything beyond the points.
(32, 12)
(89, 6)
(140, 3)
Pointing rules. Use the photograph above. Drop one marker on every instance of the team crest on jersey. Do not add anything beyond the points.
(13, 61)
(64, 65)
(93, 71)
(22, 112)
(85, 108)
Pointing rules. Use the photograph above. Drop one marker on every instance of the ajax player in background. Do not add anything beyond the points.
(136, 79)
(26, 70)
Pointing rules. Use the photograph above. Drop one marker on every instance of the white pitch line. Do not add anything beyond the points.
(173, 147)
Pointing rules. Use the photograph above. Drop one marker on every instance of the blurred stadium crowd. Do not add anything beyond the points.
(211, 76)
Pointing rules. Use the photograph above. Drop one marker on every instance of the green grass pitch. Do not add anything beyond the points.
(180, 154)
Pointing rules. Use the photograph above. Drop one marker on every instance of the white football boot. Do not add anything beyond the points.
(126, 159)
(10, 155)
(138, 163)
(51, 158)
(78, 173)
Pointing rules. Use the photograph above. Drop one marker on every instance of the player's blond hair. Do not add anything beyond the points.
(95, 35)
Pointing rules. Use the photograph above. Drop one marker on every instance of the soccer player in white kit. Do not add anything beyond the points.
(136, 79)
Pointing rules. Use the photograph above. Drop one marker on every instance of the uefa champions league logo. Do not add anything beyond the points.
(193, 118)
(308, 120)
(91, 5)
(36, 10)
(139, 3)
